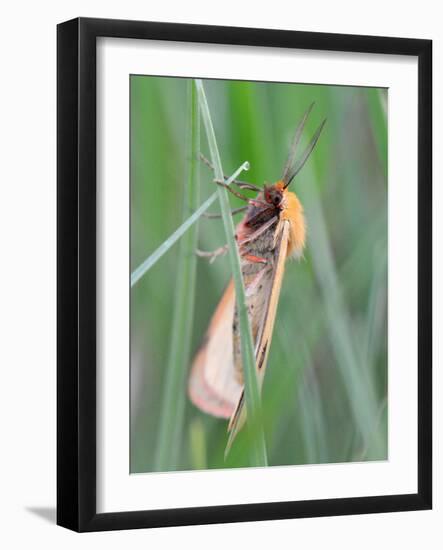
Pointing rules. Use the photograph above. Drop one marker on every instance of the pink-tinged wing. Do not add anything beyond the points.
(212, 385)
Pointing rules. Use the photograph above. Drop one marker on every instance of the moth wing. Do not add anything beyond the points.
(212, 385)
(264, 335)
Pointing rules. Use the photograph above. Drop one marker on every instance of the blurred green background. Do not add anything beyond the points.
(325, 390)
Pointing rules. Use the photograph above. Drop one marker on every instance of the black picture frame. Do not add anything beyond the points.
(76, 273)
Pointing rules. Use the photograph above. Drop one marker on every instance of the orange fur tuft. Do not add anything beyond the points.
(293, 212)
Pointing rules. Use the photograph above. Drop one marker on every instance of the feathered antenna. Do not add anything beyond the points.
(292, 167)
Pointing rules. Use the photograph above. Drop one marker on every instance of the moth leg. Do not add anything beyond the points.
(255, 259)
(239, 183)
(206, 161)
(235, 193)
(233, 212)
(246, 185)
(255, 202)
(212, 255)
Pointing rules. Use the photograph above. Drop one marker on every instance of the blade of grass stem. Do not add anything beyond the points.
(173, 402)
(198, 445)
(145, 266)
(377, 114)
(252, 391)
(359, 386)
(375, 322)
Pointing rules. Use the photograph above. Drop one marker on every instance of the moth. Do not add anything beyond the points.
(273, 229)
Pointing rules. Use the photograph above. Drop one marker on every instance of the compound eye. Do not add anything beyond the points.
(276, 200)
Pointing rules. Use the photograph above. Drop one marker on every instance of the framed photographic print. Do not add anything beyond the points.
(244, 274)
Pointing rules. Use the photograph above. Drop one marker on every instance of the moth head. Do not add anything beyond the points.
(273, 194)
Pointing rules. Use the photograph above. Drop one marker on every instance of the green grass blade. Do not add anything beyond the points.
(173, 402)
(252, 391)
(377, 113)
(145, 266)
(360, 390)
(198, 445)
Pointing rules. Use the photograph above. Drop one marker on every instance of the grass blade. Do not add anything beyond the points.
(145, 266)
(252, 391)
(198, 445)
(377, 114)
(173, 402)
(359, 387)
